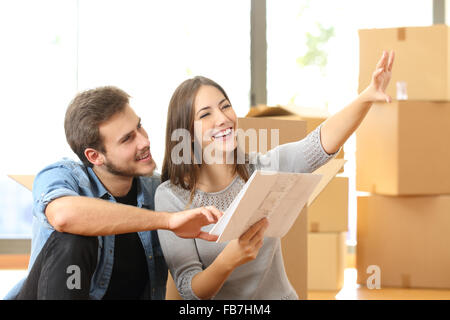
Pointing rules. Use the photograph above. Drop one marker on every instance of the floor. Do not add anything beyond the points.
(354, 291)
(11, 271)
(350, 291)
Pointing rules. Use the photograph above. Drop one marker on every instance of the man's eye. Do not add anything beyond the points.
(204, 115)
(126, 139)
(139, 125)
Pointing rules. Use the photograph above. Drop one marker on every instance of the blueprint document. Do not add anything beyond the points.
(278, 196)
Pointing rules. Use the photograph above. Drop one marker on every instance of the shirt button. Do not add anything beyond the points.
(150, 257)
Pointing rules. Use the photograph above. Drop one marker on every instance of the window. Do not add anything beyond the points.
(38, 78)
(51, 49)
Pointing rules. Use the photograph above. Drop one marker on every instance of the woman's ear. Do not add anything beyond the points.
(94, 157)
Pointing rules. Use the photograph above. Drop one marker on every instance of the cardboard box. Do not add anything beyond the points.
(421, 60)
(407, 238)
(326, 260)
(294, 247)
(24, 180)
(329, 212)
(171, 289)
(403, 148)
(286, 130)
(312, 116)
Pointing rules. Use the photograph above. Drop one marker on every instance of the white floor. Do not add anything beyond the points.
(8, 279)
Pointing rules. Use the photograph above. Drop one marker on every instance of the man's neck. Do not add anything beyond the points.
(118, 186)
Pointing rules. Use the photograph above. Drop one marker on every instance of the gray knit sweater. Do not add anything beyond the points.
(262, 278)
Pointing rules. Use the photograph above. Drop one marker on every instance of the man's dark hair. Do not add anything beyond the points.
(87, 111)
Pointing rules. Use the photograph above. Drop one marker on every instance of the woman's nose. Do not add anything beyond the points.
(220, 118)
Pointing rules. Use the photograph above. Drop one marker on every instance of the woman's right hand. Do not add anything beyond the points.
(208, 282)
(246, 248)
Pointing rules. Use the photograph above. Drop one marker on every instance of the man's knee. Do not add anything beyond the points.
(76, 240)
(74, 245)
(65, 261)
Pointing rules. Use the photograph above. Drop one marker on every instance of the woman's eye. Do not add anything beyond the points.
(204, 115)
(226, 106)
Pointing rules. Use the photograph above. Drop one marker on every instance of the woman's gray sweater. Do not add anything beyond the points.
(263, 278)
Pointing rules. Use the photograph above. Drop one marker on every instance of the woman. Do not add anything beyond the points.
(250, 267)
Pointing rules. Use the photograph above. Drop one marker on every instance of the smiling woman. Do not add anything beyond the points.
(204, 271)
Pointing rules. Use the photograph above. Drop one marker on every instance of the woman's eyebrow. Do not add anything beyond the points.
(207, 107)
(221, 101)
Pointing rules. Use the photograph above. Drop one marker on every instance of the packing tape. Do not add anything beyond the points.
(401, 34)
(315, 226)
(406, 280)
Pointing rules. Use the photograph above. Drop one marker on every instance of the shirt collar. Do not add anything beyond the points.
(143, 195)
(100, 191)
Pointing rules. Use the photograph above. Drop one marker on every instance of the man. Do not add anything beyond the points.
(94, 231)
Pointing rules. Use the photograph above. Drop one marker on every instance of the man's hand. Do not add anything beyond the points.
(187, 224)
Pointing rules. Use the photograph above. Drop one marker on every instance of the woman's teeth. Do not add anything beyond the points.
(222, 133)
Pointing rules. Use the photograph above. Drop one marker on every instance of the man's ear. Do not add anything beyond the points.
(95, 157)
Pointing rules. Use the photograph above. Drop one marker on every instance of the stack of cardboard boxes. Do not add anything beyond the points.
(314, 250)
(403, 160)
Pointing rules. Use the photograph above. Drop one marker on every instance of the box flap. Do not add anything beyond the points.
(328, 171)
(278, 110)
(266, 111)
(24, 180)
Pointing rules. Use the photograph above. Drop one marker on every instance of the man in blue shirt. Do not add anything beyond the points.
(94, 232)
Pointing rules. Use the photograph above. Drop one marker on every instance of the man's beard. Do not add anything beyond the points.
(122, 172)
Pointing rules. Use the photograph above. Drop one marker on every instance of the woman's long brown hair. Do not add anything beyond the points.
(181, 116)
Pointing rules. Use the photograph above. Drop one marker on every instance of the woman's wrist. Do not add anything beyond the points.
(225, 263)
(366, 96)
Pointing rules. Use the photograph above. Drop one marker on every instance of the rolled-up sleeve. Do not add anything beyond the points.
(51, 183)
(304, 156)
(180, 254)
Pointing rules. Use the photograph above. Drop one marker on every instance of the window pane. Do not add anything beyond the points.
(51, 49)
(38, 68)
(38, 79)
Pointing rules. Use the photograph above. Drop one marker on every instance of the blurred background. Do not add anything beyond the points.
(304, 53)
(52, 49)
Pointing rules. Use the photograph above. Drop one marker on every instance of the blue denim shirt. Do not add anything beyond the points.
(70, 178)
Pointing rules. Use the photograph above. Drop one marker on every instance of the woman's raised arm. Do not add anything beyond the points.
(339, 127)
